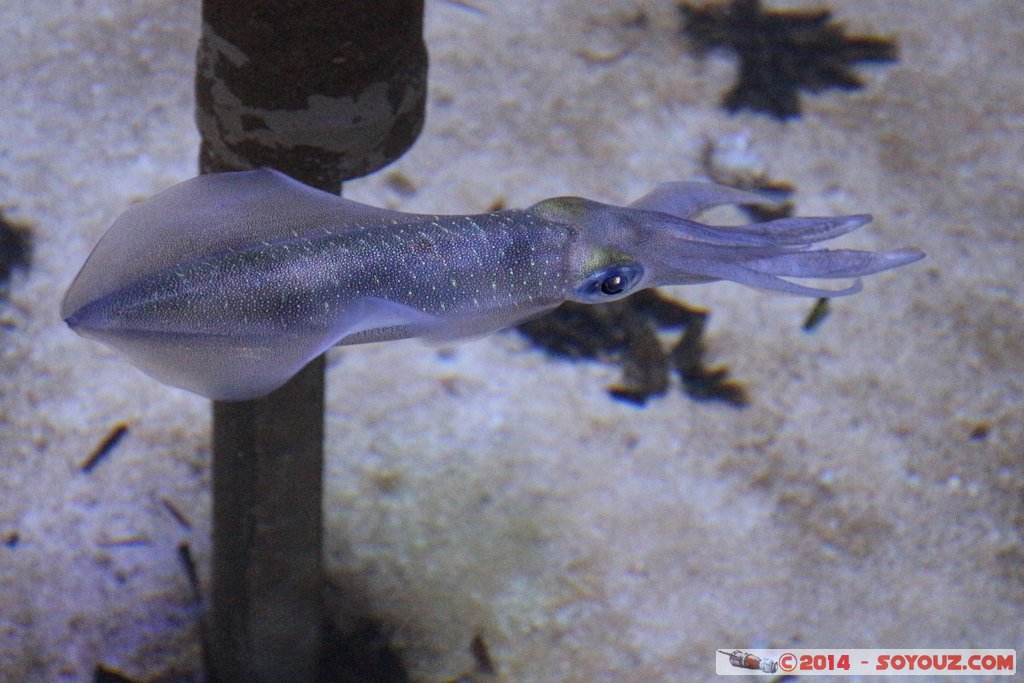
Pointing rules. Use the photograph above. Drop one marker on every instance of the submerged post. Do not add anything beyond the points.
(325, 91)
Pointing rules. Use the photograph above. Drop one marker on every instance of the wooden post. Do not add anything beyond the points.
(325, 91)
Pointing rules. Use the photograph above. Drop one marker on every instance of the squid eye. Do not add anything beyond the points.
(608, 283)
(615, 284)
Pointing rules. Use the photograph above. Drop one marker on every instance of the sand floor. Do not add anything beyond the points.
(871, 495)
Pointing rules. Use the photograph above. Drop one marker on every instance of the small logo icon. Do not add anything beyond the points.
(745, 660)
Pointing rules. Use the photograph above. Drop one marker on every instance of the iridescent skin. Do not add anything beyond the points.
(226, 285)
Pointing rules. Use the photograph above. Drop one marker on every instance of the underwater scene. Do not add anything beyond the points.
(652, 340)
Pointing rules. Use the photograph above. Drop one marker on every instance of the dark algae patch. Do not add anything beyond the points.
(15, 248)
(626, 332)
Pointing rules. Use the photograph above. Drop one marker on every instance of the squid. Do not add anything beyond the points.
(226, 285)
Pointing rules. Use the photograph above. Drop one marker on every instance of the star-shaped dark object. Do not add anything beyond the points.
(781, 52)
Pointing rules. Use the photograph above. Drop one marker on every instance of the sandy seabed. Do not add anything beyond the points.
(871, 495)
